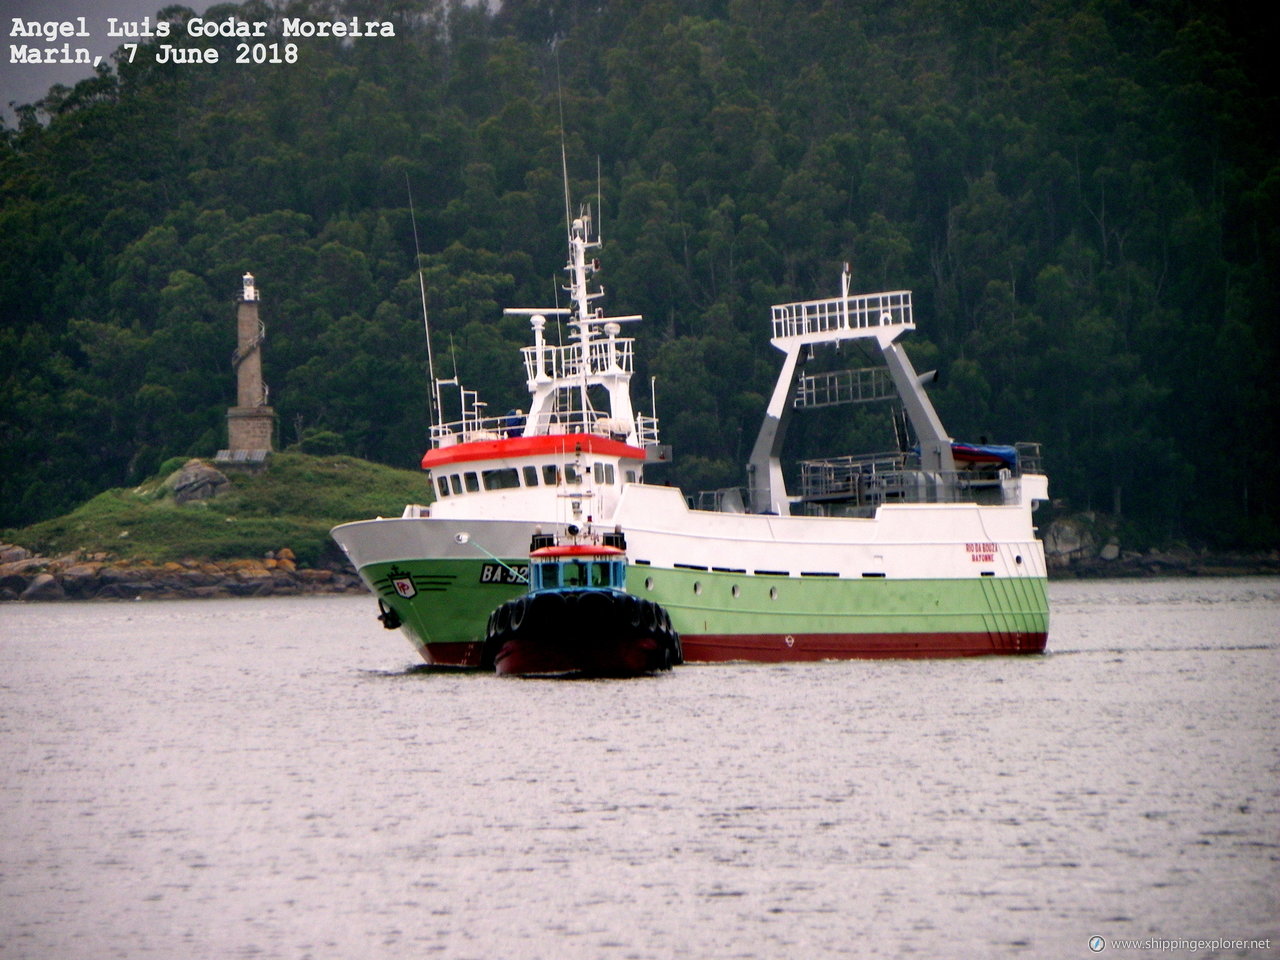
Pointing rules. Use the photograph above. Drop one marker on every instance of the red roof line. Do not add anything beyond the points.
(511, 447)
(576, 550)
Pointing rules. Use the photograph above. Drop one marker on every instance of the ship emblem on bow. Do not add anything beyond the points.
(403, 584)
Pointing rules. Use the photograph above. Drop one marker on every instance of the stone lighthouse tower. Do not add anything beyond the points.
(251, 422)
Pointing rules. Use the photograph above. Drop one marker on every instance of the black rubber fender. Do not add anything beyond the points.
(635, 611)
(519, 608)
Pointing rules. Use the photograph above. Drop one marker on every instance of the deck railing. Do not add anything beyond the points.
(604, 356)
(874, 479)
(842, 313)
(515, 424)
(844, 386)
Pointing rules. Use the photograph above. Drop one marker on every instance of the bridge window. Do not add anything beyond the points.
(549, 474)
(503, 478)
(472, 482)
(455, 482)
(443, 484)
(617, 574)
(571, 474)
(603, 472)
(573, 574)
(530, 476)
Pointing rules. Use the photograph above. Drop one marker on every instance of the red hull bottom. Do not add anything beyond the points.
(774, 648)
(461, 655)
(543, 659)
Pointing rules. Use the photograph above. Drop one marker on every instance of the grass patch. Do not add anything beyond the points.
(292, 504)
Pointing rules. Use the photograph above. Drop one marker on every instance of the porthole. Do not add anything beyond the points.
(736, 592)
(773, 593)
(697, 588)
(648, 583)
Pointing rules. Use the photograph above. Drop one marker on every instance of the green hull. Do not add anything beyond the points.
(444, 606)
(447, 605)
(731, 616)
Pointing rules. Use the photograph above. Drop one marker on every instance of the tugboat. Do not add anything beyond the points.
(577, 618)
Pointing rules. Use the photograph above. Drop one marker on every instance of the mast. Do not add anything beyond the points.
(594, 356)
(560, 376)
(579, 241)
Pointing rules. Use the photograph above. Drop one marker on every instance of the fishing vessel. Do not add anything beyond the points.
(928, 550)
(578, 618)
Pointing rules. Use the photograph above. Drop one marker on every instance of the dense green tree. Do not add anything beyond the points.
(1082, 195)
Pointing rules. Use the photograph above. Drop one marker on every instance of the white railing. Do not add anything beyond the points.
(566, 363)
(844, 386)
(842, 314)
(475, 429)
(897, 477)
(647, 430)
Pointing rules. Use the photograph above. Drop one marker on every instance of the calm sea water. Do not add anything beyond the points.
(275, 778)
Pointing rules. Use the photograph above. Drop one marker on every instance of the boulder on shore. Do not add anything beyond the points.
(1069, 540)
(43, 586)
(196, 480)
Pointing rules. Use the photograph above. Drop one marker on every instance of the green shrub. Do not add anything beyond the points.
(321, 443)
(293, 503)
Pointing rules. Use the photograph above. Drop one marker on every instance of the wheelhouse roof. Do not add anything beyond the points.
(509, 448)
(575, 550)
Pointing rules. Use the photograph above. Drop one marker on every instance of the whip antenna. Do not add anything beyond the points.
(433, 400)
(564, 160)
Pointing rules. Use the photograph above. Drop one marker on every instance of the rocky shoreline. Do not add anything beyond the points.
(1087, 545)
(25, 576)
(1167, 563)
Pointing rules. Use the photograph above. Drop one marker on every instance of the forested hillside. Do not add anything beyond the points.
(1082, 194)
